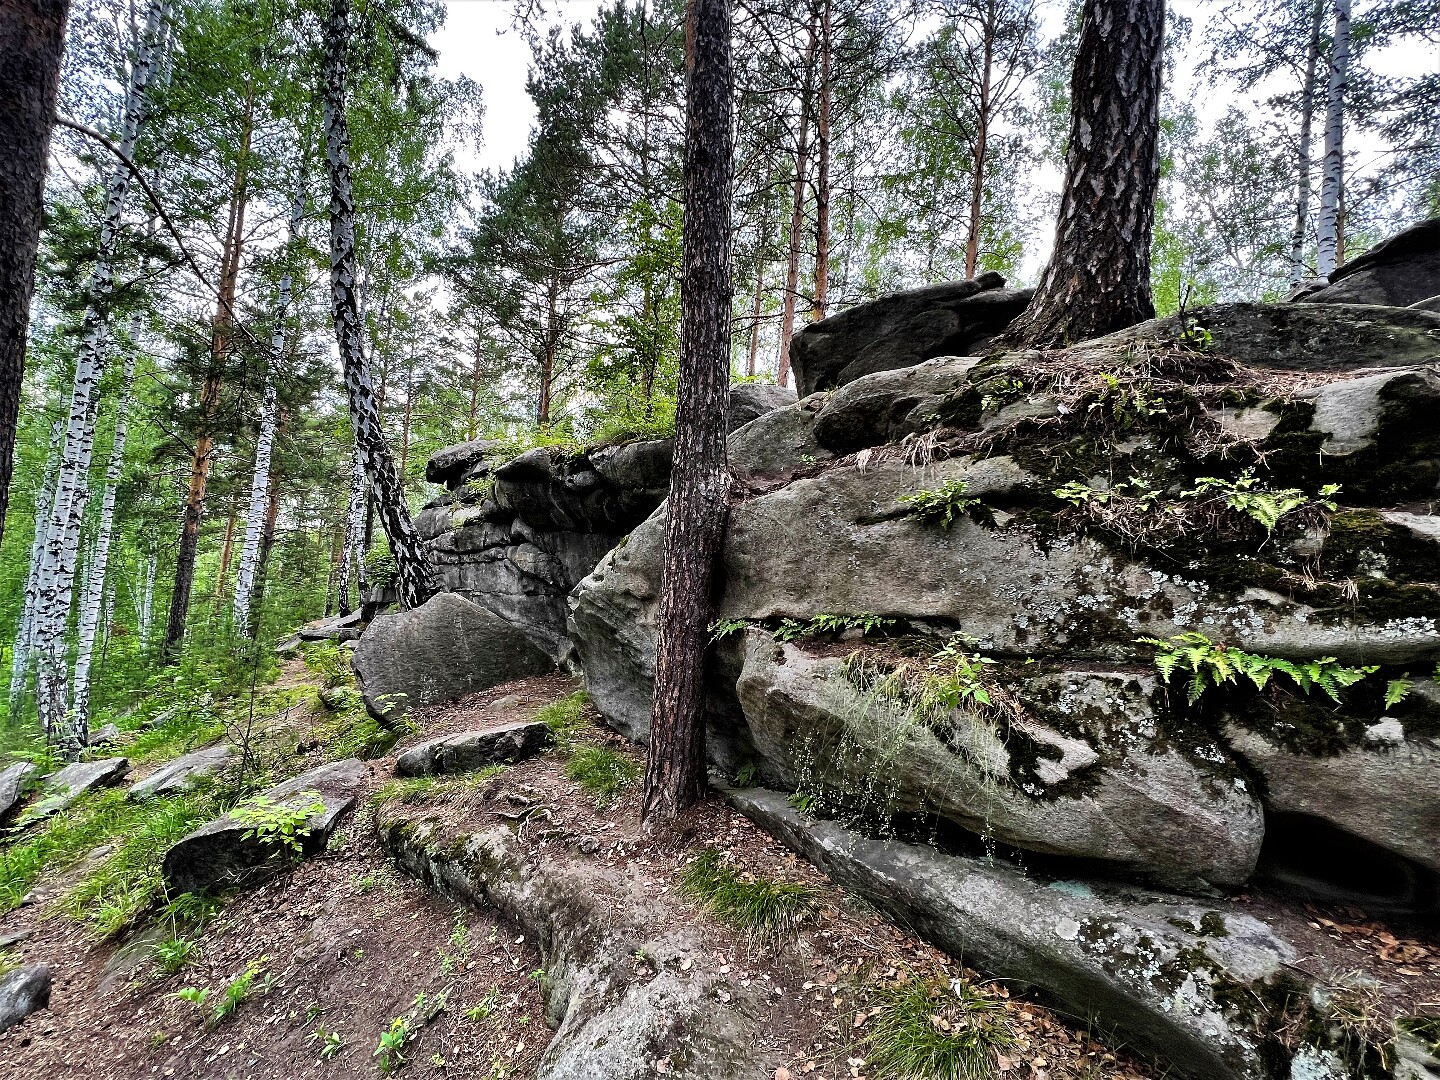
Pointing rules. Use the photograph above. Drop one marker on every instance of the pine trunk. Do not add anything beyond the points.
(797, 216)
(415, 583)
(1307, 120)
(982, 142)
(1098, 278)
(822, 173)
(1332, 175)
(32, 41)
(700, 482)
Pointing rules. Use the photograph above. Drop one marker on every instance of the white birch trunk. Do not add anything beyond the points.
(1333, 170)
(92, 602)
(265, 442)
(57, 572)
(25, 631)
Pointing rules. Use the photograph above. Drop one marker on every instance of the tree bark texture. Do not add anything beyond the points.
(1332, 174)
(1098, 278)
(32, 42)
(700, 482)
(25, 631)
(415, 583)
(822, 170)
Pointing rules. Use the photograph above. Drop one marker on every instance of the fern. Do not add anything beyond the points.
(1212, 664)
(1245, 494)
(1396, 691)
(940, 506)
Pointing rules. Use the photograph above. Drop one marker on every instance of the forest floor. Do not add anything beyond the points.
(331, 954)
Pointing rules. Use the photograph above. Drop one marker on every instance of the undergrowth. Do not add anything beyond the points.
(417, 790)
(566, 719)
(763, 908)
(942, 505)
(1212, 664)
(926, 1029)
(602, 772)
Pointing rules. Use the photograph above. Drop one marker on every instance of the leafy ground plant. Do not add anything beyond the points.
(942, 505)
(1212, 664)
(926, 1029)
(762, 908)
(174, 953)
(602, 772)
(283, 824)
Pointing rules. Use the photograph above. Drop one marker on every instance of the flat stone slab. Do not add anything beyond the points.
(104, 736)
(219, 855)
(328, 628)
(1120, 957)
(22, 992)
(181, 774)
(472, 750)
(15, 782)
(63, 788)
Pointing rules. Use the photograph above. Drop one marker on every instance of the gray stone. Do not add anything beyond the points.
(1121, 958)
(451, 466)
(220, 855)
(469, 751)
(15, 937)
(105, 736)
(1114, 785)
(779, 441)
(15, 783)
(887, 406)
(441, 651)
(63, 788)
(328, 629)
(23, 991)
(644, 464)
(1399, 272)
(902, 329)
(181, 774)
(751, 400)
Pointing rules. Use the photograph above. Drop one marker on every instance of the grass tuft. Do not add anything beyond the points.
(602, 772)
(565, 719)
(928, 1030)
(435, 789)
(763, 908)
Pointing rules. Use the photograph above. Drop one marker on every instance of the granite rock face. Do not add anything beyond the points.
(23, 991)
(1402, 271)
(469, 751)
(182, 773)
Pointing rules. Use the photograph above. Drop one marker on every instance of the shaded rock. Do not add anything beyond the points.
(15, 937)
(63, 788)
(1111, 955)
(887, 406)
(452, 465)
(751, 400)
(326, 629)
(15, 783)
(105, 736)
(1305, 337)
(219, 855)
(469, 751)
(644, 464)
(1113, 785)
(902, 329)
(608, 1025)
(291, 646)
(182, 773)
(779, 441)
(441, 651)
(23, 991)
(1398, 272)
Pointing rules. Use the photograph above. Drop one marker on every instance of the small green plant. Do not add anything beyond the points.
(804, 801)
(747, 775)
(238, 990)
(827, 623)
(1212, 664)
(485, 1007)
(720, 629)
(387, 1053)
(414, 790)
(331, 663)
(940, 506)
(1247, 495)
(1397, 690)
(380, 568)
(330, 1043)
(927, 689)
(282, 824)
(193, 994)
(174, 953)
(924, 1028)
(763, 908)
(602, 772)
(565, 718)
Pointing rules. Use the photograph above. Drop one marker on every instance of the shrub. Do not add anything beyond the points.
(282, 825)
(940, 506)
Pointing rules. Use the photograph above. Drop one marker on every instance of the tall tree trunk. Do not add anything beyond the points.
(700, 482)
(1332, 176)
(1098, 277)
(547, 359)
(32, 40)
(62, 535)
(351, 557)
(265, 436)
(202, 455)
(822, 172)
(267, 534)
(91, 603)
(797, 214)
(475, 374)
(25, 631)
(755, 317)
(415, 584)
(1307, 120)
(982, 140)
(227, 552)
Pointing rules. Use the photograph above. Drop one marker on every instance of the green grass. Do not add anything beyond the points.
(435, 789)
(602, 772)
(565, 719)
(762, 908)
(927, 1030)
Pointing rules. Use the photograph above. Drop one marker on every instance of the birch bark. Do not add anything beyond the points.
(25, 632)
(1327, 226)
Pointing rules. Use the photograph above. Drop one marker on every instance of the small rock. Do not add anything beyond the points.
(107, 735)
(64, 787)
(588, 845)
(472, 750)
(15, 781)
(182, 773)
(15, 937)
(1386, 732)
(22, 992)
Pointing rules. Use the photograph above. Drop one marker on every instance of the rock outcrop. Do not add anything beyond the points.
(66, 786)
(443, 650)
(15, 783)
(23, 991)
(233, 853)
(1402, 271)
(896, 331)
(182, 773)
(468, 751)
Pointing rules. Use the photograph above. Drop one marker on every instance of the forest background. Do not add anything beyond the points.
(526, 289)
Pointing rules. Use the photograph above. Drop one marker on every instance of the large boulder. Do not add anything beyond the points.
(183, 773)
(15, 783)
(66, 786)
(1399, 272)
(227, 853)
(443, 650)
(1094, 767)
(469, 751)
(23, 991)
(902, 329)
(779, 441)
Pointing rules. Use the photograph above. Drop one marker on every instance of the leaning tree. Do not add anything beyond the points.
(1098, 277)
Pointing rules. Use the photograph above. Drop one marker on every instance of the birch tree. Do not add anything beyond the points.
(414, 575)
(20, 656)
(1332, 174)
